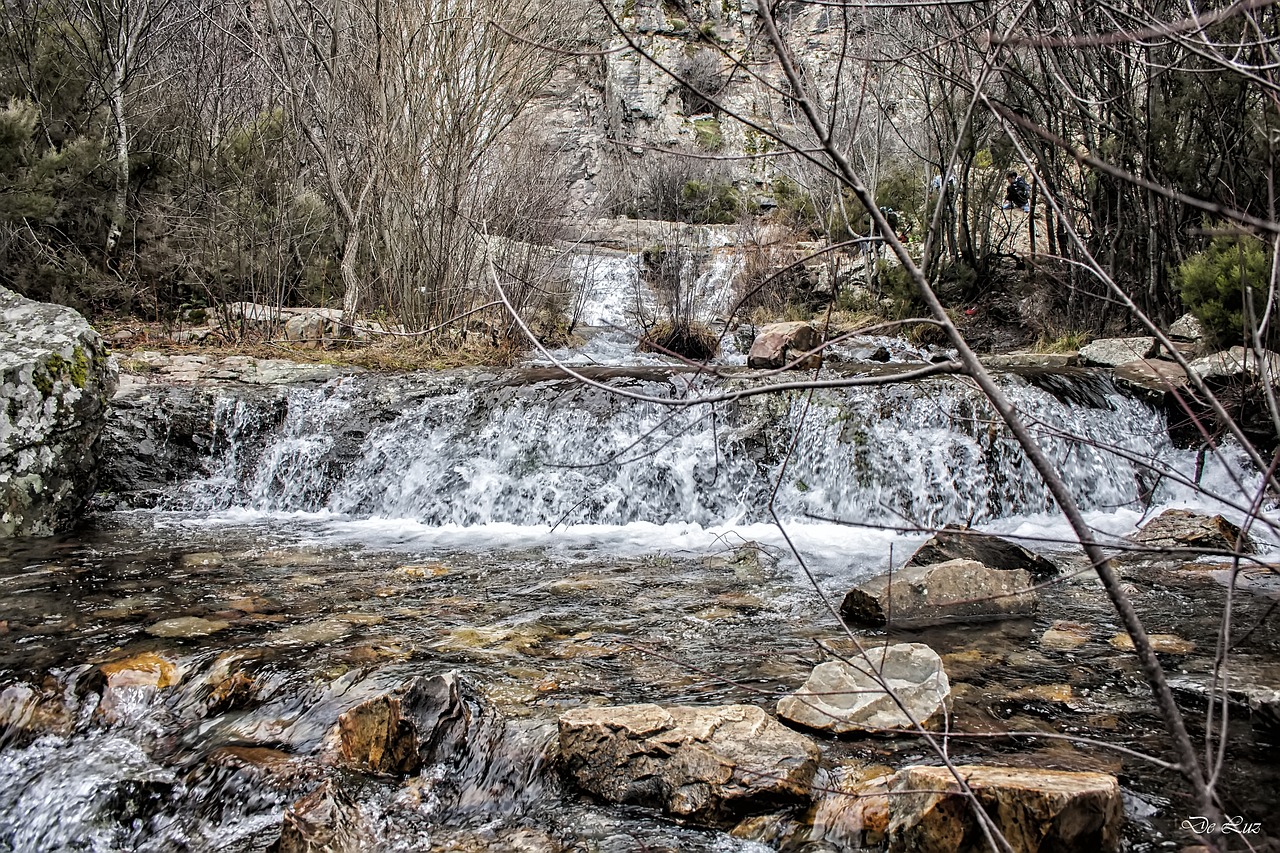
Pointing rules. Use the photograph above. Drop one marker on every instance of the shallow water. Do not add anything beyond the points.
(564, 546)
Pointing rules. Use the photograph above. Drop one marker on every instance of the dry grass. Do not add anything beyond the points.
(389, 353)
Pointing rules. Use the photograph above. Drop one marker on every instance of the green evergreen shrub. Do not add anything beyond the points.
(1213, 285)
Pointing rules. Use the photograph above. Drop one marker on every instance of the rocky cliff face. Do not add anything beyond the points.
(611, 115)
(55, 382)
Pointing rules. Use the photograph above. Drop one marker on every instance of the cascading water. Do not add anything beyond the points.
(558, 455)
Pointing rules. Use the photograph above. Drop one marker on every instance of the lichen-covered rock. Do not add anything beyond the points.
(1182, 528)
(1113, 352)
(1034, 809)
(854, 696)
(954, 591)
(55, 383)
(957, 543)
(710, 765)
(779, 344)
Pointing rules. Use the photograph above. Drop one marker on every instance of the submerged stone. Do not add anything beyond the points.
(186, 626)
(710, 765)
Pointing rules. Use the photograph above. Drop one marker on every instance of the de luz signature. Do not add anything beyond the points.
(1231, 825)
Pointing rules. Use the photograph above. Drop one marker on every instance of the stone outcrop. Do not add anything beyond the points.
(1181, 528)
(1036, 810)
(709, 765)
(956, 543)
(778, 344)
(954, 591)
(55, 382)
(423, 721)
(842, 697)
(1113, 352)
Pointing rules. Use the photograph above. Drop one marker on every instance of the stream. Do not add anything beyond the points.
(561, 545)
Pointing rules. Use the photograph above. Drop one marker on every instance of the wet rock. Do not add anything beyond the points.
(327, 820)
(1063, 636)
(423, 721)
(853, 810)
(842, 697)
(956, 543)
(27, 712)
(1186, 328)
(779, 343)
(310, 633)
(1180, 528)
(954, 591)
(1163, 644)
(55, 383)
(1113, 352)
(147, 669)
(1151, 375)
(1264, 707)
(132, 683)
(186, 626)
(710, 765)
(1036, 810)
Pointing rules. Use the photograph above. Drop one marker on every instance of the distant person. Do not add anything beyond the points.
(1017, 193)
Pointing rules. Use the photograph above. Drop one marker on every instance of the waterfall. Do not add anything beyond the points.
(918, 454)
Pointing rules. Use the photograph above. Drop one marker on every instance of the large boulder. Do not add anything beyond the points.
(710, 765)
(779, 344)
(421, 722)
(881, 692)
(55, 383)
(957, 543)
(1113, 352)
(1035, 810)
(953, 591)
(1177, 529)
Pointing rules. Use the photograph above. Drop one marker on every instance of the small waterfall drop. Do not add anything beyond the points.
(919, 454)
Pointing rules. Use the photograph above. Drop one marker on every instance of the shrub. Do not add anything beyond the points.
(694, 341)
(1213, 283)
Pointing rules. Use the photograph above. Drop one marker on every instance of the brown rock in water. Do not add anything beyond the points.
(954, 591)
(1036, 810)
(710, 765)
(1161, 644)
(779, 343)
(957, 543)
(853, 810)
(1064, 636)
(842, 697)
(422, 721)
(1181, 528)
(325, 821)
